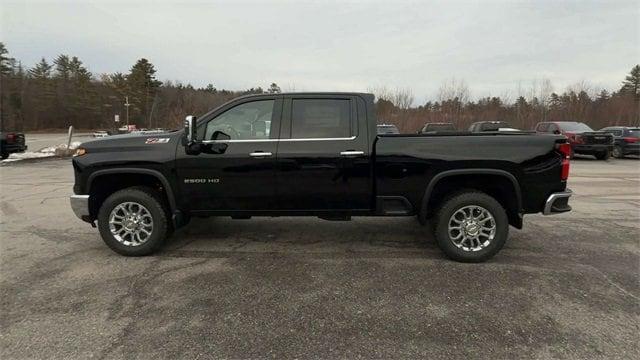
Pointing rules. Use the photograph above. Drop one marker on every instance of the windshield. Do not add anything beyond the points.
(575, 127)
(436, 127)
(387, 129)
(633, 133)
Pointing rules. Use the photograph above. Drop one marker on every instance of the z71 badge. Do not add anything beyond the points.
(157, 141)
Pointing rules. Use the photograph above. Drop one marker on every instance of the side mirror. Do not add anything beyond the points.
(219, 135)
(190, 129)
(557, 132)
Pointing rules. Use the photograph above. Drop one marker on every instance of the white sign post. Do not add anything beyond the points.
(116, 117)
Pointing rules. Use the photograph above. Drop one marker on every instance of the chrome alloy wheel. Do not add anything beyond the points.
(472, 228)
(131, 223)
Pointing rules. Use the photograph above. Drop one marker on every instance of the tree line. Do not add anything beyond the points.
(61, 92)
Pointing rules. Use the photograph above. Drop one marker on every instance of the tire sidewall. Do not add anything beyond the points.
(459, 201)
(146, 199)
(617, 152)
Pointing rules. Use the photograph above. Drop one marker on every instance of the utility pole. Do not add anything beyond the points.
(126, 104)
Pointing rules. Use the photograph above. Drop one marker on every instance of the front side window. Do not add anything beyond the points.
(320, 118)
(248, 121)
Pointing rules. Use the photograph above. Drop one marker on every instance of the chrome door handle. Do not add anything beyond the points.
(351, 153)
(260, 154)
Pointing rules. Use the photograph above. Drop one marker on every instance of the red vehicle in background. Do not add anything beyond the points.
(583, 139)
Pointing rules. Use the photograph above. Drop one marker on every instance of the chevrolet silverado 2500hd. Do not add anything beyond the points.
(317, 154)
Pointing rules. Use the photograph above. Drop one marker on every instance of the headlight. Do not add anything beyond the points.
(80, 151)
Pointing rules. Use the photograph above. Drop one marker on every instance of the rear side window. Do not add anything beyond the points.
(320, 118)
(542, 127)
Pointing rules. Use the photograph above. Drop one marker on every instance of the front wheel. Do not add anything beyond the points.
(133, 222)
(604, 155)
(471, 226)
(617, 152)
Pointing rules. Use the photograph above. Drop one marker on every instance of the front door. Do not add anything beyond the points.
(238, 173)
(323, 155)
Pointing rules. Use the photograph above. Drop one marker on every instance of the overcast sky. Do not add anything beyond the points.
(350, 46)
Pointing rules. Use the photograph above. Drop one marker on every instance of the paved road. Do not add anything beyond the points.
(566, 286)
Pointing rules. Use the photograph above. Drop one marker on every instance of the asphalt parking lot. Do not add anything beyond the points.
(565, 286)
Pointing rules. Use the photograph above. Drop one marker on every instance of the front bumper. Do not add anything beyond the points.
(592, 148)
(80, 206)
(557, 203)
(631, 149)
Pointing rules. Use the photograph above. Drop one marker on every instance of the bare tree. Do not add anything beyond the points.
(403, 98)
(452, 89)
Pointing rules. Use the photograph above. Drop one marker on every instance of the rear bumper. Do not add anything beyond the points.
(557, 203)
(14, 148)
(592, 148)
(80, 206)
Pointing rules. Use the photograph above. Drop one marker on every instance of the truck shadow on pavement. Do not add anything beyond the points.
(302, 237)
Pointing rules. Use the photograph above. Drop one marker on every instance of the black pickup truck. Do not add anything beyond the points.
(317, 154)
(11, 142)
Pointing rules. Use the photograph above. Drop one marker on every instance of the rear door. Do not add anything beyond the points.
(323, 154)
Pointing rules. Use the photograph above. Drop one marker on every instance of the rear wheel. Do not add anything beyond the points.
(603, 155)
(4, 155)
(617, 152)
(133, 222)
(471, 226)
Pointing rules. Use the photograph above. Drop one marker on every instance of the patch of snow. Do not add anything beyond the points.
(49, 151)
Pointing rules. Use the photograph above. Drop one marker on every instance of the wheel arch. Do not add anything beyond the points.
(157, 175)
(514, 209)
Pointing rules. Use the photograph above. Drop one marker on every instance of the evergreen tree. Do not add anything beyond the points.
(62, 67)
(6, 63)
(142, 86)
(603, 96)
(631, 84)
(274, 89)
(41, 70)
(78, 71)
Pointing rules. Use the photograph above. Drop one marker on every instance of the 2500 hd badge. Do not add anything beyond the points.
(318, 154)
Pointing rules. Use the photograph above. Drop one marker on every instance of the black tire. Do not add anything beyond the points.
(146, 197)
(459, 201)
(617, 152)
(4, 155)
(604, 155)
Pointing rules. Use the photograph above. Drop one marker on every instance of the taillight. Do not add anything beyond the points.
(11, 137)
(630, 139)
(565, 150)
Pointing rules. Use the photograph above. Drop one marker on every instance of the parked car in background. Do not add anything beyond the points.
(387, 129)
(440, 126)
(626, 140)
(101, 134)
(489, 126)
(11, 142)
(583, 139)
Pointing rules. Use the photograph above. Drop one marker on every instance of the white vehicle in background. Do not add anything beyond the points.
(101, 134)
